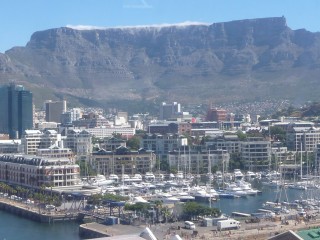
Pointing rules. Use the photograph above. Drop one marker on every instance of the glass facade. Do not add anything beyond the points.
(16, 110)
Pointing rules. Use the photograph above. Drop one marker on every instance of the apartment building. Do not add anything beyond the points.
(111, 144)
(55, 152)
(303, 138)
(36, 172)
(122, 160)
(79, 141)
(231, 143)
(32, 140)
(11, 146)
(162, 144)
(197, 162)
(256, 154)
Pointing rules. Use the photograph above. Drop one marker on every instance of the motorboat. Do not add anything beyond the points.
(245, 186)
(179, 175)
(235, 190)
(237, 174)
(100, 180)
(272, 206)
(250, 176)
(149, 177)
(114, 177)
(202, 194)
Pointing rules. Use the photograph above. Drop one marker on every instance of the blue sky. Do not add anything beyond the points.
(20, 18)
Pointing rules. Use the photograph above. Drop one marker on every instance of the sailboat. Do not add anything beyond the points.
(276, 206)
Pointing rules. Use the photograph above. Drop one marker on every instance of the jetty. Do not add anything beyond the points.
(35, 213)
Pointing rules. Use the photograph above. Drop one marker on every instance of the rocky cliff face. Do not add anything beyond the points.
(238, 60)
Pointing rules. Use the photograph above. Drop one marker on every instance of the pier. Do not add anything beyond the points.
(35, 213)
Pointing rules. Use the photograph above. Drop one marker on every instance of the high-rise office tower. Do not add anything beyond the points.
(16, 110)
(169, 110)
(54, 110)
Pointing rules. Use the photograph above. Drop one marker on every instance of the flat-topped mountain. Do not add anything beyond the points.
(231, 61)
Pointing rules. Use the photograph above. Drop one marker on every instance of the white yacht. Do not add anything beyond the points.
(114, 177)
(250, 176)
(149, 177)
(201, 194)
(100, 180)
(136, 178)
(179, 175)
(272, 206)
(246, 186)
(232, 188)
(237, 174)
(218, 177)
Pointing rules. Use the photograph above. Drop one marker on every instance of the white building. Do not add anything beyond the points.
(103, 132)
(303, 138)
(32, 140)
(11, 146)
(195, 162)
(55, 152)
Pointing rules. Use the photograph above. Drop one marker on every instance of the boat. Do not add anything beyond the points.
(226, 194)
(203, 194)
(232, 188)
(136, 178)
(298, 186)
(237, 174)
(246, 187)
(149, 177)
(114, 177)
(100, 180)
(179, 175)
(250, 176)
(184, 196)
(272, 206)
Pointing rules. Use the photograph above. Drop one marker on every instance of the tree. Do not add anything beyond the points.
(235, 161)
(134, 143)
(166, 213)
(242, 136)
(277, 133)
(138, 207)
(192, 210)
(86, 169)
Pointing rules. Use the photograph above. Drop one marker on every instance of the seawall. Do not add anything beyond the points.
(33, 213)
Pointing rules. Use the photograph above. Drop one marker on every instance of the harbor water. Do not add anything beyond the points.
(13, 227)
(251, 204)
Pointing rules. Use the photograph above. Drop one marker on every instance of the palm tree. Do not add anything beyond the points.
(158, 205)
(166, 213)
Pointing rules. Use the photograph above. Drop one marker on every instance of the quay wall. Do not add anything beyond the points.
(33, 213)
(89, 231)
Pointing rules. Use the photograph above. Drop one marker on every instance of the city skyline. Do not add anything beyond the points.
(41, 15)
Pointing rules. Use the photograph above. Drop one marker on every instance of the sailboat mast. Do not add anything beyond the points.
(301, 158)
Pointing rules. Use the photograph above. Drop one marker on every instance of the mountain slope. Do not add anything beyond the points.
(238, 60)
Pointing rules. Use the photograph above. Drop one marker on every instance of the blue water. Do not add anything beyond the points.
(251, 204)
(13, 227)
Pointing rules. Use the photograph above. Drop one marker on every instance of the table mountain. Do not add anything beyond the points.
(231, 61)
